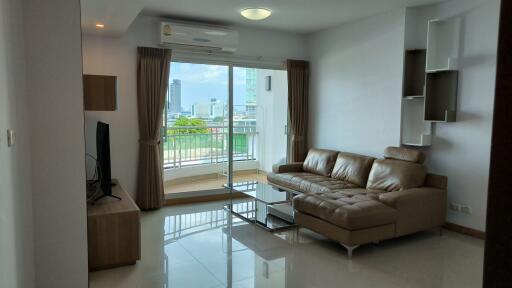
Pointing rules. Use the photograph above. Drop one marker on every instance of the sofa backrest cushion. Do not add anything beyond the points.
(352, 168)
(320, 161)
(404, 154)
(393, 175)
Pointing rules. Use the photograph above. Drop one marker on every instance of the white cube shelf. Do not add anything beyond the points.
(415, 130)
(443, 38)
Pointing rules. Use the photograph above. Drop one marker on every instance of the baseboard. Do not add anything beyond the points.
(464, 230)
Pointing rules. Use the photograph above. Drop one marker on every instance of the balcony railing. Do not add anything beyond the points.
(193, 145)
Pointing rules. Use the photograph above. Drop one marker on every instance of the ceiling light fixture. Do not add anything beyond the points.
(100, 26)
(256, 13)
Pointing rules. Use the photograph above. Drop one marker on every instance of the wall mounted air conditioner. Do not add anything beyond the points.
(190, 37)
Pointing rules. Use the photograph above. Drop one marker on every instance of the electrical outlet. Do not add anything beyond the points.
(466, 209)
(455, 207)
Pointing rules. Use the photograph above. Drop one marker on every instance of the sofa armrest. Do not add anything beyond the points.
(289, 167)
(418, 208)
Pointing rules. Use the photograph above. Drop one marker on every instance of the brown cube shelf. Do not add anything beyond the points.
(100, 93)
(441, 96)
(414, 74)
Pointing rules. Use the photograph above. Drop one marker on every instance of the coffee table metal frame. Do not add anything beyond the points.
(272, 223)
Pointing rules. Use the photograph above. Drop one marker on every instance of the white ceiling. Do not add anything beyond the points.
(299, 16)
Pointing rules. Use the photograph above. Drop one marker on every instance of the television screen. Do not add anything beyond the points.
(103, 157)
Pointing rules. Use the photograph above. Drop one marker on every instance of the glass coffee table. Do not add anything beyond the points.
(269, 208)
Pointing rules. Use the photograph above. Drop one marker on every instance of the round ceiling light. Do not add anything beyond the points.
(256, 13)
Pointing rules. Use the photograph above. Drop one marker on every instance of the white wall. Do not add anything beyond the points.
(461, 150)
(272, 118)
(117, 56)
(356, 88)
(16, 240)
(356, 84)
(55, 104)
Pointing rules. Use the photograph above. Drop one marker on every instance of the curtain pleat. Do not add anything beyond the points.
(152, 83)
(298, 94)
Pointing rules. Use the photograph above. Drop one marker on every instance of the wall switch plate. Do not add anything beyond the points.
(455, 207)
(466, 209)
(11, 137)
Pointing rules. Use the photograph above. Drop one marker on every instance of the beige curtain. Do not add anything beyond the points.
(152, 83)
(298, 93)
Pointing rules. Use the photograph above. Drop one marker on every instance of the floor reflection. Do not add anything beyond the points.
(202, 246)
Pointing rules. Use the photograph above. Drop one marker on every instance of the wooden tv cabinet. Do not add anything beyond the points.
(113, 231)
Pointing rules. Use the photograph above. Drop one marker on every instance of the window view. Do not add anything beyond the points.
(196, 121)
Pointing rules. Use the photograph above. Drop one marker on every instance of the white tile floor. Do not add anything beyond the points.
(192, 246)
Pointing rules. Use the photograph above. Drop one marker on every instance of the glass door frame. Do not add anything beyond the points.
(230, 66)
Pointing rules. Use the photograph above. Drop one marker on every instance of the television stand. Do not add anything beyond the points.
(113, 231)
(103, 196)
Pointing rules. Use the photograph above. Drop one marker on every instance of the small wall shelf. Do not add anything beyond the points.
(415, 131)
(414, 72)
(443, 39)
(441, 96)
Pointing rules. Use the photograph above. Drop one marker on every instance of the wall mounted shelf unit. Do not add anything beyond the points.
(443, 38)
(441, 96)
(415, 130)
(414, 73)
(430, 75)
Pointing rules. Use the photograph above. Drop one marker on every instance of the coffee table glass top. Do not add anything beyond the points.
(262, 192)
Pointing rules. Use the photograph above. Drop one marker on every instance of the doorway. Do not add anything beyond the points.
(201, 101)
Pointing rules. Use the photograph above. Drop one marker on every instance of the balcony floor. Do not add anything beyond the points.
(209, 182)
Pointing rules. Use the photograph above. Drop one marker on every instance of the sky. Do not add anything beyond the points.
(201, 82)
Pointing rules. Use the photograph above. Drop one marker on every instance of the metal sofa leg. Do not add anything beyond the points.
(350, 249)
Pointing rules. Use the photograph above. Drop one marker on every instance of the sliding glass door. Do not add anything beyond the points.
(259, 121)
(196, 133)
(222, 123)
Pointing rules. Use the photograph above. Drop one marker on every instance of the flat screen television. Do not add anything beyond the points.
(103, 158)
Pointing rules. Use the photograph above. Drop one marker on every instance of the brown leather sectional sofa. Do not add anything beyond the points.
(356, 199)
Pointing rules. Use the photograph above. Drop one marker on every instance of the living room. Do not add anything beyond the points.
(255, 144)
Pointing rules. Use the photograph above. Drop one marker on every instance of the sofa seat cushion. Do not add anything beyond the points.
(307, 182)
(352, 211)
(352, 168)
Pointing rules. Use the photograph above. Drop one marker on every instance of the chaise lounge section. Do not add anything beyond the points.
(356, 199)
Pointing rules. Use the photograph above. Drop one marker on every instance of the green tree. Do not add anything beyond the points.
(191, 124)
(218, 119)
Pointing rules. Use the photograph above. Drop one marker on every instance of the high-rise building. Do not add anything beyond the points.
(208, 110)
(174, 104)
(251, 85)
(201, 110)
(216, 109)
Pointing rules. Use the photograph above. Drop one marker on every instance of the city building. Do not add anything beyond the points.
(174, 103)
(251, 80)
